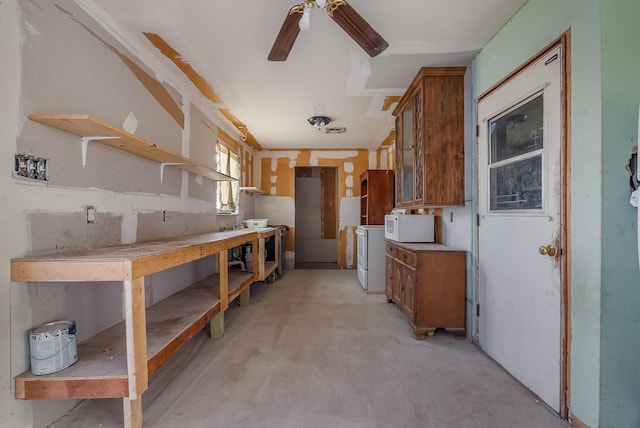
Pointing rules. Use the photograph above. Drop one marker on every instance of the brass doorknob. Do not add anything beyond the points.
(547, 250)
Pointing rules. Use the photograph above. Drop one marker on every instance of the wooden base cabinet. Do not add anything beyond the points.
(427, 283)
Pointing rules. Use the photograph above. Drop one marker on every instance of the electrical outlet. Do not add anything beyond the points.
(91, 214)
(31, 167)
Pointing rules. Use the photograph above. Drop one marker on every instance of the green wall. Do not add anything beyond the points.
(620, 334)
(605, 285)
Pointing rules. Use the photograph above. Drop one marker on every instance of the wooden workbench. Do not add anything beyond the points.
(117, 362)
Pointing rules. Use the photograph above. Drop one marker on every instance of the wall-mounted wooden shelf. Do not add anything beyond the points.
(253, 190)
(92, 129)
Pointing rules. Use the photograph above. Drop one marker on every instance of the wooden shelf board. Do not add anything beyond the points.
(101, 369)
(269, 267)
(87, 126)
(253, 190)
(238, 282)
(126, 262)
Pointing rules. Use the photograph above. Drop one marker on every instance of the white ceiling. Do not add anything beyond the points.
(227, 42)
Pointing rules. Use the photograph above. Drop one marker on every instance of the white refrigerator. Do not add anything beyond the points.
(371, 258)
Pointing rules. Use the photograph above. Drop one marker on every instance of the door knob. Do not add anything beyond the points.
(548, 250)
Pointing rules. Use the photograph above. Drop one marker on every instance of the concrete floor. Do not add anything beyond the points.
(313, 350)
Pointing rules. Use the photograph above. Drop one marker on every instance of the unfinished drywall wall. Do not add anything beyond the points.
(56, 59)
(103, 87)
(72, 231)
(275, 173)
(170, 224)
(201, 143)
(12, 413)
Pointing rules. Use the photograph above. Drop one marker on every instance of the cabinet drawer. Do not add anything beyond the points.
(407, 257)
(392, 250)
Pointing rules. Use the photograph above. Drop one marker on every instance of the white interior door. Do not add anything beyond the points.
(519, 203)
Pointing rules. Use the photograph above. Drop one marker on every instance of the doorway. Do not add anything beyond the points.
(316, 202)
(521, 227)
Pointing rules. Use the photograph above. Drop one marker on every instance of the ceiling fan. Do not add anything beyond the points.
(342, 13)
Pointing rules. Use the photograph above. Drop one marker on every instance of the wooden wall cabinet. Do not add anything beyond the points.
(430, 139)
(427, 283)
(376, 195)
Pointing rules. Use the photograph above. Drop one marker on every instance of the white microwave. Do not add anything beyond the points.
(409, 227)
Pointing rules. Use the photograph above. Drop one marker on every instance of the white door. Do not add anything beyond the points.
(519, 203)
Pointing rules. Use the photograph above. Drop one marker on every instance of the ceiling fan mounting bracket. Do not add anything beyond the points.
(331, 6)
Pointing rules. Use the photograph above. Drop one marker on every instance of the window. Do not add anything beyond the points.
(228, 192)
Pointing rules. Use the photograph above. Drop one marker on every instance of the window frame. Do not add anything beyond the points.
(228, 169)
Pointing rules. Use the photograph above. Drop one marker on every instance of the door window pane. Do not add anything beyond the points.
(516, 157)
(517, 185)
(519, 131)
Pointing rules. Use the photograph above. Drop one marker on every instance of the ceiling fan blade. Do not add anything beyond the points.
(359, 29)
(287, 35)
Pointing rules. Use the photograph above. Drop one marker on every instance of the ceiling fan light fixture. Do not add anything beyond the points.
(305, 21)
(319, 122)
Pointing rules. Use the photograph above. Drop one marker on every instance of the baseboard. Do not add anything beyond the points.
(375, 291)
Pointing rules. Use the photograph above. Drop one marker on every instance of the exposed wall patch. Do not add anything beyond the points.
(31, 29)
(383, 160)
(348, 167)
(390, 140)
(242, 129)
(389, 101)
(130, 123)
(349, 181)
(63, 10)
(175, 57)
(373, 159)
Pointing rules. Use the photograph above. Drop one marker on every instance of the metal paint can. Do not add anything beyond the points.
(52, 347)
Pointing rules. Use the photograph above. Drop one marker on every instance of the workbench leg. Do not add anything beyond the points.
(132, 412)
(245, 296)
(217, 326)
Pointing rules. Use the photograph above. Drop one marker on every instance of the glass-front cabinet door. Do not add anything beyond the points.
(406, 172)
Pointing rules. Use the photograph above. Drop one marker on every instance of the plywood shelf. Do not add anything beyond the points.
(253, 190)
(93, 129)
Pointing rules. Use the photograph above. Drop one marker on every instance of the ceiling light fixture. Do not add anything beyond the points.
(319, 122)
(305, 21)
(307, 5)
